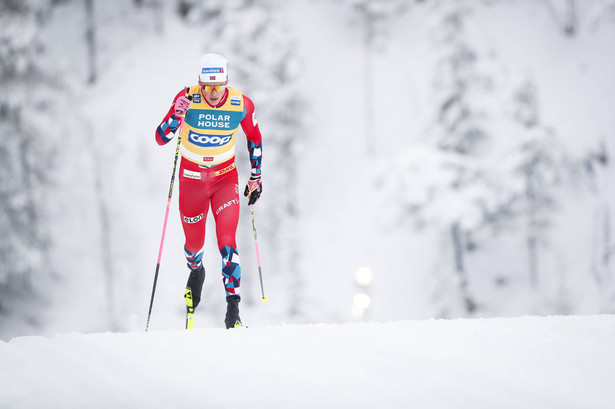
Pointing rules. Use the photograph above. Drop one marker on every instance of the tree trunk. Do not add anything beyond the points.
(368, 82)
(90, 40)
(607, 247)
(158, 17)
(532, 252)
(296, 285)
(532, 228)
(105, 232)
(457, 239)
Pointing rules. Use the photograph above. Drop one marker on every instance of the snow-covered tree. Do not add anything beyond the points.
(461, 87)
(453, 194)
(26, 152)
(461, 126)
(375, 17)
(597, 164)
(539, 162)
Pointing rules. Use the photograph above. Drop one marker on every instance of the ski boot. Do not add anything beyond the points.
(192, 295)
(232, 319)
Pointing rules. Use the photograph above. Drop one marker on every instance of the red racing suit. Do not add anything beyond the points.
(208, 175)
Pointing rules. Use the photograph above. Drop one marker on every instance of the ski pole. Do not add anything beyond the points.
(166, 216)
(258, 258)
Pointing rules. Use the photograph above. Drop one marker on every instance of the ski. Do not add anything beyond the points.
(189, 309)
(192, 294)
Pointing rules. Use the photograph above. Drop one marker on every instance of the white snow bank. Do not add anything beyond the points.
(529, 362)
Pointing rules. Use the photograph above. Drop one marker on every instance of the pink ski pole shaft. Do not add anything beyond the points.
(258, 257)
(166, 218)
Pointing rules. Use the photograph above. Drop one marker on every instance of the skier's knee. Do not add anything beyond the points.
(194, 260)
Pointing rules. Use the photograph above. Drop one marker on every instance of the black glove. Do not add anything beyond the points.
(253, 190)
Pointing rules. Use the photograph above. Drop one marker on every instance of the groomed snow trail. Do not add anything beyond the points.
(527, 362)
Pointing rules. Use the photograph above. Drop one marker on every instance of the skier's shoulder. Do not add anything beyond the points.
(238, 96)
(247, 102)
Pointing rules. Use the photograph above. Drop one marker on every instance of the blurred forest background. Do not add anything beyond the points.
(461, 150)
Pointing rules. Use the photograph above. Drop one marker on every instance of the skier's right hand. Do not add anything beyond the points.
(181, 105)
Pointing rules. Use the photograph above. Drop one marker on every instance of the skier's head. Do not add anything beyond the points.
(212, 69)
(213, 77)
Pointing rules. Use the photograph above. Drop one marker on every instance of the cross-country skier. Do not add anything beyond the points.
(208, 177)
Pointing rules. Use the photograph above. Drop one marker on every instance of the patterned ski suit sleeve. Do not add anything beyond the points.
(249, 124)
(167, 128)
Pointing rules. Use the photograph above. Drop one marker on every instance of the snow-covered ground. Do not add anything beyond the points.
(526, 362)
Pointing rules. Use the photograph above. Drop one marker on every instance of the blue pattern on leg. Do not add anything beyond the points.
(231, 270)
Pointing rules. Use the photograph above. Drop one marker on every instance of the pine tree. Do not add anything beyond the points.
(26, 152)
(375, 17)
(597, 166)
(460, 125)
(540, 164)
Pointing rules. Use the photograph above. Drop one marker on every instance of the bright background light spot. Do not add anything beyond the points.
(361, 300)
(364, 276)
(357, 311)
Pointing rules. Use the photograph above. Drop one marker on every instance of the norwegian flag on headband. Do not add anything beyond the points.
(212, 77)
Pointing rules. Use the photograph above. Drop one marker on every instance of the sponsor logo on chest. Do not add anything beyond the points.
(209, 140)
(214, 121)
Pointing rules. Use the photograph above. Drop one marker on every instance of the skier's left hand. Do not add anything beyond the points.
(253, 190)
